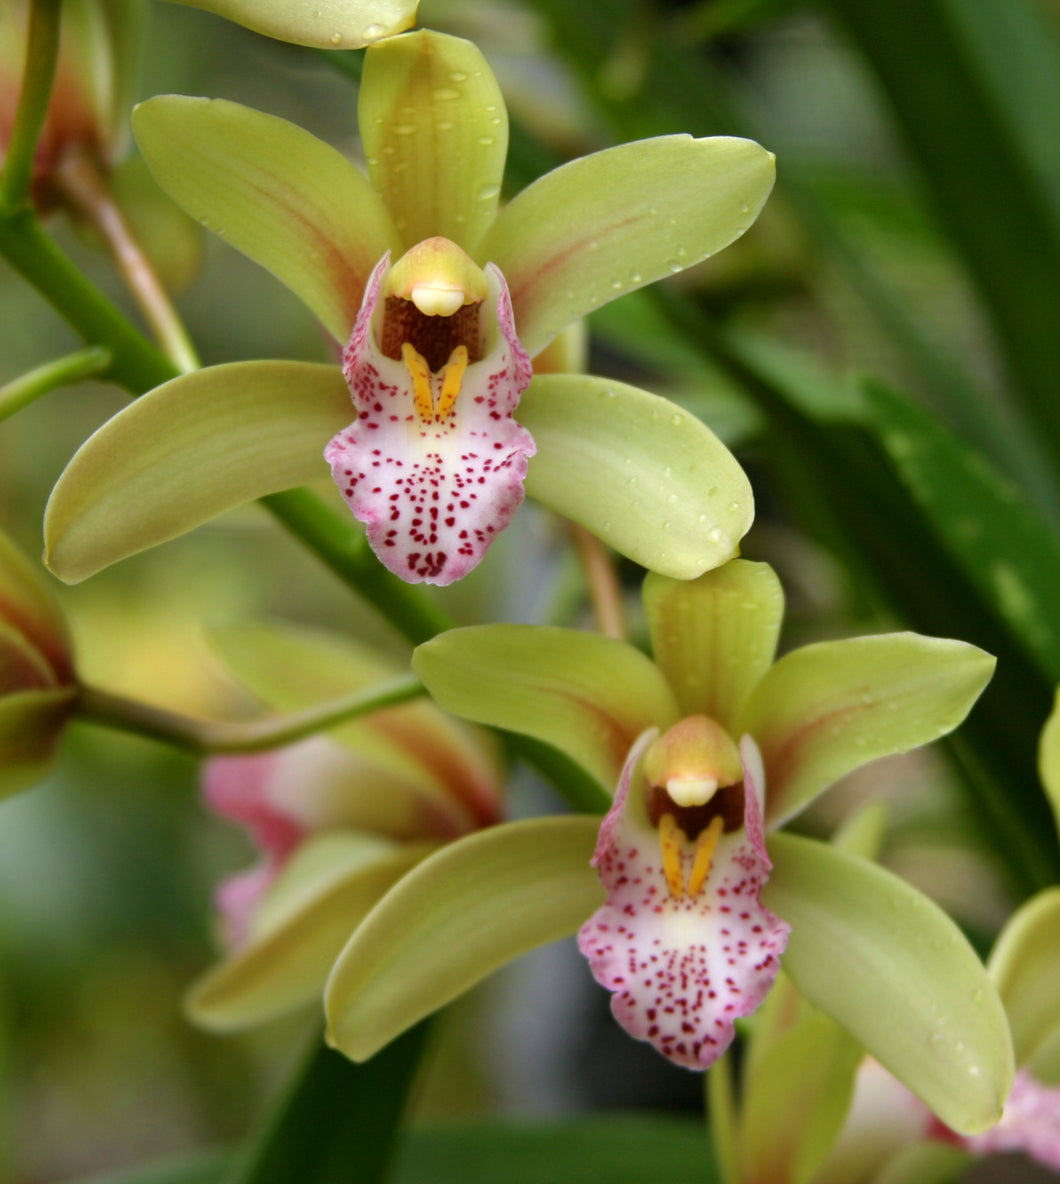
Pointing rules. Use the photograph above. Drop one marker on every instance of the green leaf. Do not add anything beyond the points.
(1025, 967)
(206, 1168)
(606, 224)
(613, 1149)
(975, 89)
(477, 903)
(587, 695)
(31, 724)
(715, 637)
(642, 474)
(435, 134)
(325, 24)
(186, 452)
(827, 709)
(330, 884)
(889, 966)
(278, 194)
(338, 1122)
(1002, 545)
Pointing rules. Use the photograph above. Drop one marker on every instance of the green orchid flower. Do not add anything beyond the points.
(337, 819)
(325, 24)
(697, 929)
(440, 299)
(37, 683)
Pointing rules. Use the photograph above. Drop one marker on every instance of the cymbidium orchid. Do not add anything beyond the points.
(439, 300)
(688, 938)
(37, 683)
(337, 819)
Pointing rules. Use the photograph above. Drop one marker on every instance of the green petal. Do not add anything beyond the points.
(1049, 759)
(28, 607)
(325, 24)
(474, 905)
(890, 966)
(645, 476)
(829, 708)
(278, 194)
(187, 451)
(617, 220)
(587, 695)
(31, 723)
(796, 1100)
(323, 893)
(425, 752)
(715, 637)
(1025, 967)
(435, 134)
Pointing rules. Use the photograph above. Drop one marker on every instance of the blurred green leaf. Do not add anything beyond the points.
(207, 1168)
(1001, 544)
(612, 1149)
(338, 1122)
(976, 89)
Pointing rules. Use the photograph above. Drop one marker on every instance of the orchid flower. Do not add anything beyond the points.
(37, 683)
(887, 1125)
(326, 24)
(439, 300)
(337, 819)
(687, 931)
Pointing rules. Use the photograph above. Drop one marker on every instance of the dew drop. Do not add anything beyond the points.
(457, 76)
(372, 32)
(734, 507)
(677, 420)
(592, 245)
(606, 526)
(668, 471)
(336, 38)
(635, 277)
(674, 266)
(672, 499)
(443, 94)
(486, 141)
(667, 525)
(610, 394)
(404, 129)
(616, 283)
(444, 125)
(978, 995)
(744, 208)
(488, 191)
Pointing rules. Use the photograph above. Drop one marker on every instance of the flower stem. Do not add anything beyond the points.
(82, 184)
(22, 391)
(214, 737)
(602, 582)
(42, 54)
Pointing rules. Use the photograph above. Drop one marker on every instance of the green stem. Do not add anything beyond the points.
(342, 547)
(217, 737)
(22, 391)
(42, 54)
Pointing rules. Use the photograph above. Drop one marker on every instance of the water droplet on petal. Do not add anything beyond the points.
(616, 283)
(734, 507)
(336, 38)
(635, 277)
(404, 129)
(457, 76)
(485, 141)
(372, 32)
(674, 266)
(488, 191)
(715, 535)
(677, 420)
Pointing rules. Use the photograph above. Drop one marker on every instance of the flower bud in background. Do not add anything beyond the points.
(37, 684)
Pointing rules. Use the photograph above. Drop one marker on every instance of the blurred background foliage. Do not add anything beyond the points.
(881, 350)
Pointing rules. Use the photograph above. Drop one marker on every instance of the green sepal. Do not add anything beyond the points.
(1025, 967)
(587, 695)
(186, 452)
(324, 24)
(827, 709)
(435, 134)
(643, 475)
(328, 886)
(284, 198)
(466, 910)
(894, 970)
(715, 637)
(606, 224)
